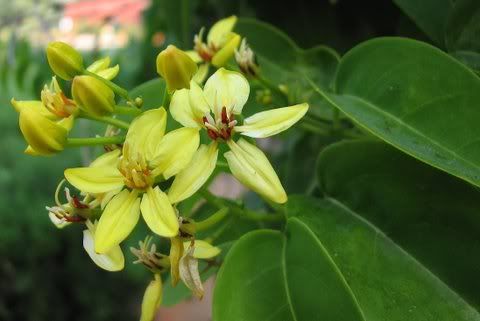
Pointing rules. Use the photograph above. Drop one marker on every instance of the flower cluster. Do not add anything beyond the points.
(146, 171)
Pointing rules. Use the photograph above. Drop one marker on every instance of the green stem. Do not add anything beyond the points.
(241, 212)
(117, 89)
(212, 220)
(127, 110)
(78, 142)
(107, 120)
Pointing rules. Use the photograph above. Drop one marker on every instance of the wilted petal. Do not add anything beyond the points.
(228, 89)
(218, 32)
(188, 181)
(117, 221)
(227, 51)
(175, 151)
(202, 249)
(189, 273)
(251, 167)
(271, 122)
(112, 260)
(147, 130)
(158, 213)
(95, 179)
(152, 299)
(176, 253)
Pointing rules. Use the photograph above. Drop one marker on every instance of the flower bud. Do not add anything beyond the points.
(93, 96)
(152, 299)
(45, 136)
(102, 68)
(176, 67)
(65, 61)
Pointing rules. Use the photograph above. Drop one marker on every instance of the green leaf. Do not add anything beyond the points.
(429, 15)
(430, 214)
(416, 98)
(463, 26)
(283, 62)
(388, 283)
(468, 58)
(270, 276)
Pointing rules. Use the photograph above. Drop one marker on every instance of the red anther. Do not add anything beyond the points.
(224, 134)
(74, 219)
(205, 55)
(224, 115)
(205, 120)
(77, 203)
(213, 135)
(229, 132)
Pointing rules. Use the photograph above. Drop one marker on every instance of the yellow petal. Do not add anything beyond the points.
(152, 299)
(175, 151)
(107, 197)
(219, 31)
(99, 179)
(111, 261)
(107, 159)
(228, 50)
(228, 89)
(181, 110)
(100, 64)
(32, 104)
(198, 102)
(188, 181)
(202, 249)
(147, 130)
(117, 221)
(158, 213)
(109, 73)
(194, 56)
(42, 134)
(271, 122)
(251, 167)
(201, 73)
(176, 67)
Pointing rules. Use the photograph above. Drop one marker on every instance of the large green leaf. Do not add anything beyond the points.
(269, 276)
(429, 15)
(283, 62)
(463, 27)
(416, 98)
(434, 216)
(388, 283)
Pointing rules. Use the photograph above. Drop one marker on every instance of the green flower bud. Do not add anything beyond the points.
(65, 61)
(93, 96)
(176, 67)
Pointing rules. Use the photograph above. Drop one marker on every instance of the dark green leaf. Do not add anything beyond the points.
(269, 276)
(416, 98)
(432, 215)
(388, 283)
(429, 15)
(463, 27)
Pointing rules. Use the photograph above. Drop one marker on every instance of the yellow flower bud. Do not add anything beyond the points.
(152, 299)
(65, 61)
(176, 67)
(93, 96)
(44, 135)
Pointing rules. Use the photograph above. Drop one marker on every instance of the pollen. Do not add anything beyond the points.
(134, 169)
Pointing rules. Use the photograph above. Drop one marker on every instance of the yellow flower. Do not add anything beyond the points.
(102, 68)
(214, 109)
(43, 131)
(65, 61)
(219, 48)
(56, 102)
(176, 67)
(148, 155)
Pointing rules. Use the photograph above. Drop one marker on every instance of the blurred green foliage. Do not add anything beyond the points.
(44, 272)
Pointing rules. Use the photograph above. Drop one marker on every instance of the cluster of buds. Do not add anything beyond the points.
(148, 171)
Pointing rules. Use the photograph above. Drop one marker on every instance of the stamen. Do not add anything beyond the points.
(224, 115)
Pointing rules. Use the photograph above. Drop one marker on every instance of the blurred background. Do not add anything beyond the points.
(44, 272)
